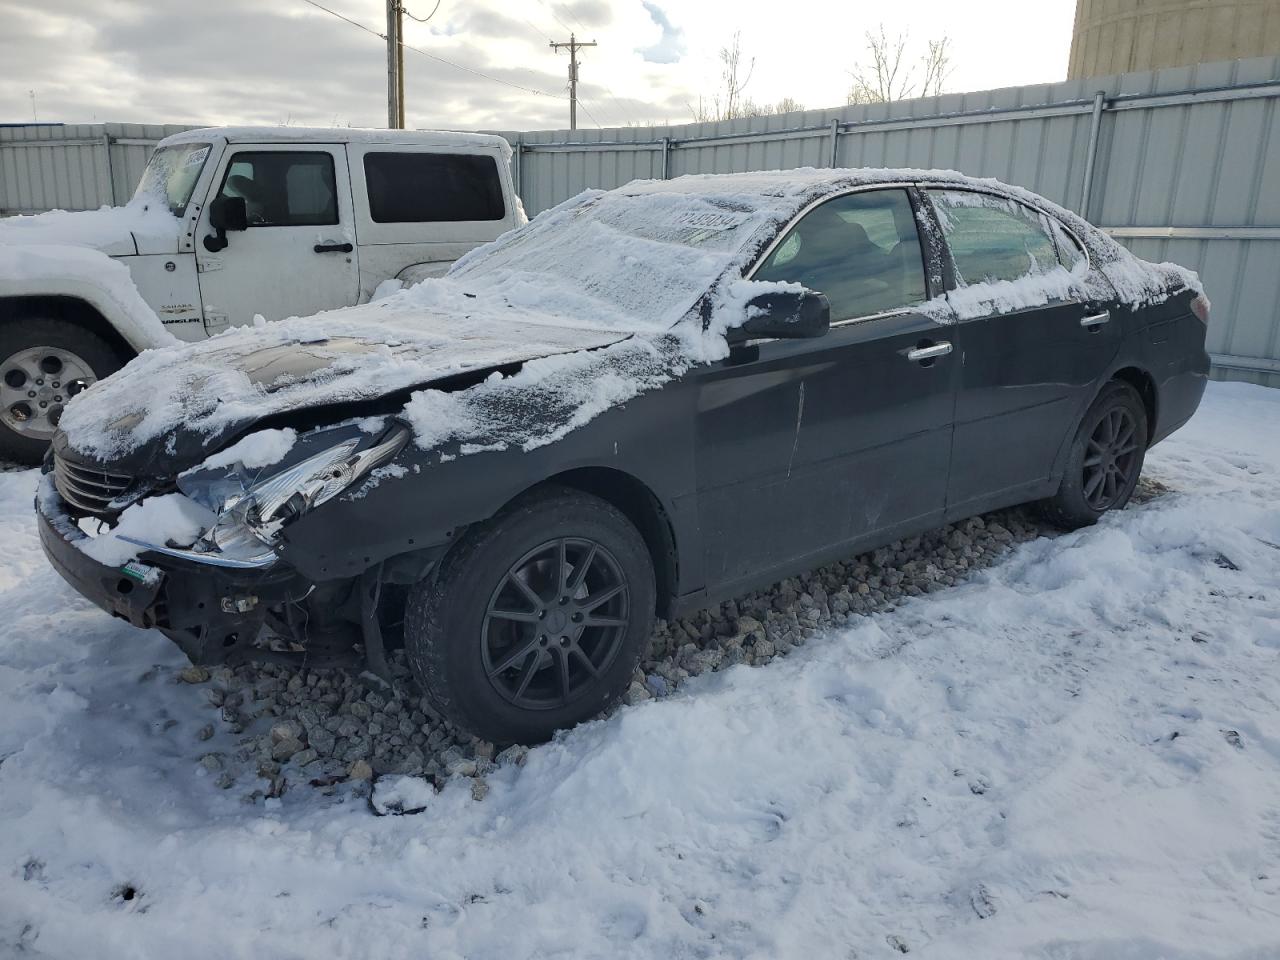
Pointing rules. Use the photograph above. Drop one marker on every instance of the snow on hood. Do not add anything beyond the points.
(40, 268)
(589, 297)
(597, 271)
(216, 387)
(115, 231)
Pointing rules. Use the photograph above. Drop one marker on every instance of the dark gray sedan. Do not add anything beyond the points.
(645, 401)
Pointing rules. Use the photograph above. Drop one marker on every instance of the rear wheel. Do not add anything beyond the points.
(536, 620)
(1105, 461)
(44, 362)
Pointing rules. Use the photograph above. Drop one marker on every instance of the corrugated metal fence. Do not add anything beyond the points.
(77, 166)
(1180, 164)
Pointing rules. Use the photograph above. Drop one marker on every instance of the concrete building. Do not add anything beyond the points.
(1118, 36)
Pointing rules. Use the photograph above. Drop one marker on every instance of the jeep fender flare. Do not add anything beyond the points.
(85, 277)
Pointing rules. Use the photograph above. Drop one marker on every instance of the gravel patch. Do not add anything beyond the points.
(335, 729)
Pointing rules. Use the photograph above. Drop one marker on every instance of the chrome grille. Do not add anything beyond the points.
(89, 489)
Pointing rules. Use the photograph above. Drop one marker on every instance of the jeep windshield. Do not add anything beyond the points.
(171, 175)
(633, 261)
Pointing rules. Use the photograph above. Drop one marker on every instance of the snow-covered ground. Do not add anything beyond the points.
(1076, 754)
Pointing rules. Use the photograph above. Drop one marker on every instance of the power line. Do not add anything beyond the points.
(588, 111)
(421, 19)
(552, 11)
(354, 23)
(477, 73)
(432, 56)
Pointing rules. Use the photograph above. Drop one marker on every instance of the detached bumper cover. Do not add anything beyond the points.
(211, 613)
(131, 596)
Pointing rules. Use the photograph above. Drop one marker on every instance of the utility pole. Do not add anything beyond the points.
(395, 65)
(573, 45)
(399, 64)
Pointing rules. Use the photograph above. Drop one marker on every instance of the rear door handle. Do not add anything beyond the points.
(332, 248)
(921, 354)
(1096, 319)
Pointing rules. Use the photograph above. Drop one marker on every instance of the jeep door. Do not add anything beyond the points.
(806, 447)
(297, 255)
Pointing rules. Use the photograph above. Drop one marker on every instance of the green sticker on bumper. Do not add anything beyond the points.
(140, 572)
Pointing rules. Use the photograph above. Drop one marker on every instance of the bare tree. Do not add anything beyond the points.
(937, 67)
(749, 108)
(727, 102)
(890, 75)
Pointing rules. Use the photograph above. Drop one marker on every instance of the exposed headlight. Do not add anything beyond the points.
(252, 508)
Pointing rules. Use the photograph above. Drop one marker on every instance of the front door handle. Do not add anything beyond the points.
(332, 248)
(1096, 319)
(924, 354)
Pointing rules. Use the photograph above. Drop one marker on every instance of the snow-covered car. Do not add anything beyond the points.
(228, 224)
(645, 401)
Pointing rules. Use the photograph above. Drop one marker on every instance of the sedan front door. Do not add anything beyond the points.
(806, 448)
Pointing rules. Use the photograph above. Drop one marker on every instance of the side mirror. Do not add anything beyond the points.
(225, 213)
(786, 315)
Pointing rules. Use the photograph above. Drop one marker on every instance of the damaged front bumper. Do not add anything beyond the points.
(214, 613)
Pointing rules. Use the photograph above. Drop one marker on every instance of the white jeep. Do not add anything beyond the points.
(228, 224)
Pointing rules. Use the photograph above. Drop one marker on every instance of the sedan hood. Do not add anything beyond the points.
(115, 231)
(171, 408)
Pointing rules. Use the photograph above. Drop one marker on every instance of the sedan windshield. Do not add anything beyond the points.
(629, 261)
(171, 176)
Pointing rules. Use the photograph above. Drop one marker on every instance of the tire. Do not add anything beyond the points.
(495, 635)
(1105, 460)
(75, 358)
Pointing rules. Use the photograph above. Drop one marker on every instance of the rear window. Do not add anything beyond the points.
(433, 187)
(993, 238)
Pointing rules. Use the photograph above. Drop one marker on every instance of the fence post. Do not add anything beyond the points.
(835, 142)
(1091, 153)
(666, 148)
(111, 179)
(517, 155)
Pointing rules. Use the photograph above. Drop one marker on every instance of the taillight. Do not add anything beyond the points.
(1200, 307)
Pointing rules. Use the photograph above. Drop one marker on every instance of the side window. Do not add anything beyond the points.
(284, 189)
(861, 250)
(433, 187)
(992, 238)
(1070, 254)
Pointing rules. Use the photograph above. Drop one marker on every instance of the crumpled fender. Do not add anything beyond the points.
(82, 273)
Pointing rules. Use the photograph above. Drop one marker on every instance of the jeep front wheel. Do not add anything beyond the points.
(44, 362)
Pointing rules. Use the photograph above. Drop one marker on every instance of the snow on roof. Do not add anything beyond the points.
(786, 192)
(435, 138)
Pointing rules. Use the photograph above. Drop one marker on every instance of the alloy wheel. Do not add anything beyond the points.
(555, 623)
(35, 385)
(1110, 459)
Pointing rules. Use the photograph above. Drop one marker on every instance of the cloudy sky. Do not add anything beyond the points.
(248, 61)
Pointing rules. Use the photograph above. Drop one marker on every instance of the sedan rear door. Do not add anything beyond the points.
(1026, 371)
(807, 447)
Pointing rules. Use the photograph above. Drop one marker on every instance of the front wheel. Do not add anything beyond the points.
(536, 620)
(44, 362)
(1105, 460)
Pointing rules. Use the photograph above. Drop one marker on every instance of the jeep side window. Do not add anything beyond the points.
(433, 187)
(284, 189)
